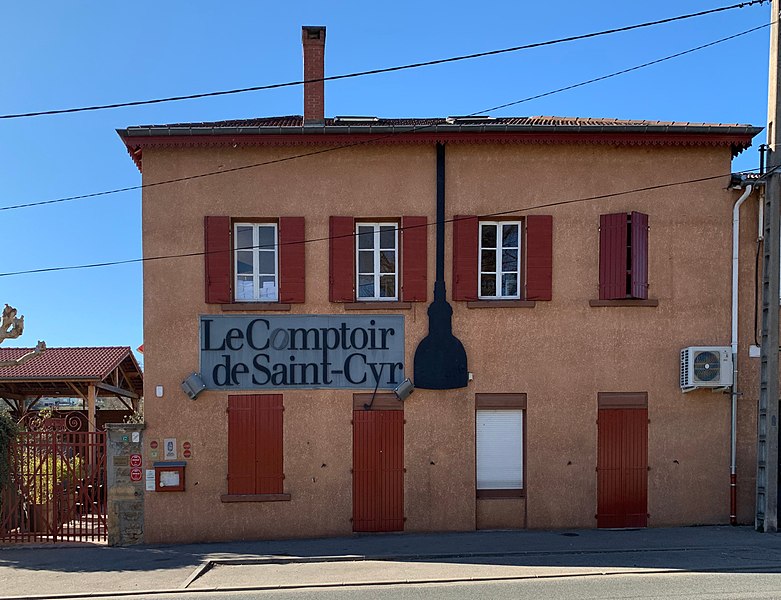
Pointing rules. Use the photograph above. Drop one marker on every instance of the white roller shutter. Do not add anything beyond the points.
(499, 449)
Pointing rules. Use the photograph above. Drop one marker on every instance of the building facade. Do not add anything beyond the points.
(313, 274)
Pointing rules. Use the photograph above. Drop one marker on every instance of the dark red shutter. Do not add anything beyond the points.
(292, 253)
(465, 249)
(414, 259)
(539, 257)
(612, 256)
(255, 460)
(217, 259)
(341, 259)
(639, 255)
(241, 445)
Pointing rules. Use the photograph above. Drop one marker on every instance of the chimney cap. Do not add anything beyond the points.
(310, 33)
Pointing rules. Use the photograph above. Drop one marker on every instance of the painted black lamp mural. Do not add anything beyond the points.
(440, 358)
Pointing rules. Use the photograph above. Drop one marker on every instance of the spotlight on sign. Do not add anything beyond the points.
(404, 389)
(193, 385)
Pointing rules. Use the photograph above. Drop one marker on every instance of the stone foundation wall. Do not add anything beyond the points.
(125, 496)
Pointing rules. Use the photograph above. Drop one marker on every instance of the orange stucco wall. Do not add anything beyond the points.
(560, 353)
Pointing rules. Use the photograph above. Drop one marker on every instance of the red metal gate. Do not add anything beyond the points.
(378, 470)
(57, 491)
(622, 467)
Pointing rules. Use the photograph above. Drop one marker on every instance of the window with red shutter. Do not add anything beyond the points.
(255, 460)
(465, 248)
(623, 256)
(414, 258)
(539, 257)
(341, 259)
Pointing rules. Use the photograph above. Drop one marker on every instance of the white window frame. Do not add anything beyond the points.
(498, 273)
(376, 262)
(256, 251)
(489, 476)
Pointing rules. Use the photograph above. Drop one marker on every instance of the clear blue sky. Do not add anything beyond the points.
(61, 54)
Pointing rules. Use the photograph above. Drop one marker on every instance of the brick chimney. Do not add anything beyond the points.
(313, 41)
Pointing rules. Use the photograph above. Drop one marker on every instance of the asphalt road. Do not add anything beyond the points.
(678, 586)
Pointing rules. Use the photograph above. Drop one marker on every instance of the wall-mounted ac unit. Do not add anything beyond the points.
(706, 367)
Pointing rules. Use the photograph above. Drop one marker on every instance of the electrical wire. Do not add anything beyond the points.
(378, 138)
(328, 238)
(382, 70)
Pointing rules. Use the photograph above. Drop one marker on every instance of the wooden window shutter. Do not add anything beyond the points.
(269, 462)
(255, 459)
(539, 257)
(292, 255)
(639, 283)
(612, 256)
(217, 259)
(465, 249)
(414, 258)
(241, 445)
(341, 259)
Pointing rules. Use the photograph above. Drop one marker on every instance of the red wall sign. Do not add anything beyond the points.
(186, 445)
(187, 454)
(135, 474)
(153, 444)
(135, 460)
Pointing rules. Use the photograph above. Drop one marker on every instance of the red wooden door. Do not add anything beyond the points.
(378, 470)
(622, 467)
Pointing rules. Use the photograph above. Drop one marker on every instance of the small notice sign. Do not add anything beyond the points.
(135, 474)
(150, 480)
(169, 448)
(136, 437)
(187, 454)
(135, 460)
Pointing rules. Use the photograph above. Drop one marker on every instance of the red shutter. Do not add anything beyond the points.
(241, 445)
(465, 249)
(414, 259)
(639, 255)
(255, 462)
(292, 252)
(217, 259)
(612, 256)
(539, 257)
(342, 259)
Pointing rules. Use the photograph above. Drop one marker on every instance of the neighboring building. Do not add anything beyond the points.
(591, 268)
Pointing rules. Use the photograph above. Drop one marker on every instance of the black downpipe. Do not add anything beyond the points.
(440, 358)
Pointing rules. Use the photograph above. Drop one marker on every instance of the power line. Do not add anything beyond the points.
(328, 238)
(378, 138)
(383, 70)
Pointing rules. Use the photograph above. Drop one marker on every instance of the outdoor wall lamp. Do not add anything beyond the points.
(404, 389)
(193, 385)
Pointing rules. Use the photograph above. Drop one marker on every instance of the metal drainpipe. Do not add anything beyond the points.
(733, 467)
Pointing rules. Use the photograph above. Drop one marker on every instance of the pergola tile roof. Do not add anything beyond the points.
(64, 363)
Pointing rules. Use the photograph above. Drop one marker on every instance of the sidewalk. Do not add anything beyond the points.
(59, 572)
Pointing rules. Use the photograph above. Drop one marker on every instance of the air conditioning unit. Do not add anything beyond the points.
(706, 367)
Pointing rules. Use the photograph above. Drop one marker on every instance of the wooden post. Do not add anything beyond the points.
(91, 397)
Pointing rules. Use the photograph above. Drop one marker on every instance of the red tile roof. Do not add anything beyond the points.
(64, 363)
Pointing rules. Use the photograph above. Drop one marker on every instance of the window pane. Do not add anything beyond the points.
(509, 260)
(268, 289)
(387, 261)
(243, 237)
(366, 237)
(388, 286)
(388, 237)
(245, 289)
(499, 449)
(488, 260)
(266, 236)
(268, 264)
(488, 285)
(244, 262)
(488, 236)
(510, 236)
(509, 284)
(366, 262)
(366, 286)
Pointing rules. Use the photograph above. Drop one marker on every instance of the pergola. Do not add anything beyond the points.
(85, 373)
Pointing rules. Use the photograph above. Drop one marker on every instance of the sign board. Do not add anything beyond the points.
(135, 474)
(169, 449)
(150, 480)
(187, 453)
(135, 460)
(247, 352)
(135, 436)
(153, 444)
